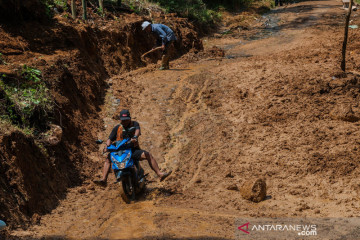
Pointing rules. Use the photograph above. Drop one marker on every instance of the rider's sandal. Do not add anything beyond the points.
(165, 176)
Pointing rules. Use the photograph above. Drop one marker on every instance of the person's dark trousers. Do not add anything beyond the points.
(278, 3)
(166, 55)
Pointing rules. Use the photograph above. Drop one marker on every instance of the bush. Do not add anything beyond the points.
(27, 102)
(193, 9)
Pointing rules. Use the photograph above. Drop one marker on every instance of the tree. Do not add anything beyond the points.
(73, 9)
(84, 9)
(101, 5)
(346, 36)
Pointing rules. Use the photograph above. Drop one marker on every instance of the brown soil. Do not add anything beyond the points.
(266, 110)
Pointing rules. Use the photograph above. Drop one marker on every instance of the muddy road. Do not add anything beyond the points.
(274, 107)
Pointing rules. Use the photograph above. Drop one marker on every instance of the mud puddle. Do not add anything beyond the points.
(270, 27)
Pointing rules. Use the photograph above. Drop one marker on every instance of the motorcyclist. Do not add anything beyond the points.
(129, 129)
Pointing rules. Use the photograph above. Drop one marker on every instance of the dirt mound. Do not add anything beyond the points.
(195, 55)
(32, 180)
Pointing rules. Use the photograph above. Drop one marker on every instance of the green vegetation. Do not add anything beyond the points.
(101, 6)
(48, 7)
(202, 11)
(193, 9)
(206, 11)
(62, 4)
(134, 5)
(51, 4)
(26, 101)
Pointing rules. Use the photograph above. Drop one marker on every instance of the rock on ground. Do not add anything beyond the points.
(254, 190)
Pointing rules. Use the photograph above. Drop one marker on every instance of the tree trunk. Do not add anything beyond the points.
(73, 9)
(84, 9)
(346, 36)
(101, 5)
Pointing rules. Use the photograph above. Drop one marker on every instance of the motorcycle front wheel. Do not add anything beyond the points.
(127, 191)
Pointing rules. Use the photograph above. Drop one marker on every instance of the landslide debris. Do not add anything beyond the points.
(74, 59)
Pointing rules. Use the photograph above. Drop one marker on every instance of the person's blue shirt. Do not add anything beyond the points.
(163, 32)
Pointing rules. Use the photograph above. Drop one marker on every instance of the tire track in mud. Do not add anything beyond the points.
(193, 87)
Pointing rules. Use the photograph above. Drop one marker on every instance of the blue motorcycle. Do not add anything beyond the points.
(128, 172)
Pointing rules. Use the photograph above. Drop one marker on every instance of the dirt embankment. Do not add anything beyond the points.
(75, 59)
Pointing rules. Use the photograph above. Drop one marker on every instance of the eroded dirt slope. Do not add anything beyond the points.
(76, 59)
(275, 107)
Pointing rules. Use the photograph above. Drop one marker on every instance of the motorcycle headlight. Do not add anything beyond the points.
(127, 157)
(122, 165)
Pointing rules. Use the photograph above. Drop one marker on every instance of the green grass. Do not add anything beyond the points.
(51, 4)
(26, 99)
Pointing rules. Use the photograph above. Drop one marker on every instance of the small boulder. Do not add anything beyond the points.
(254, 190)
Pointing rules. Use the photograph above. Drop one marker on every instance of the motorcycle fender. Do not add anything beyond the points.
(120, 174)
